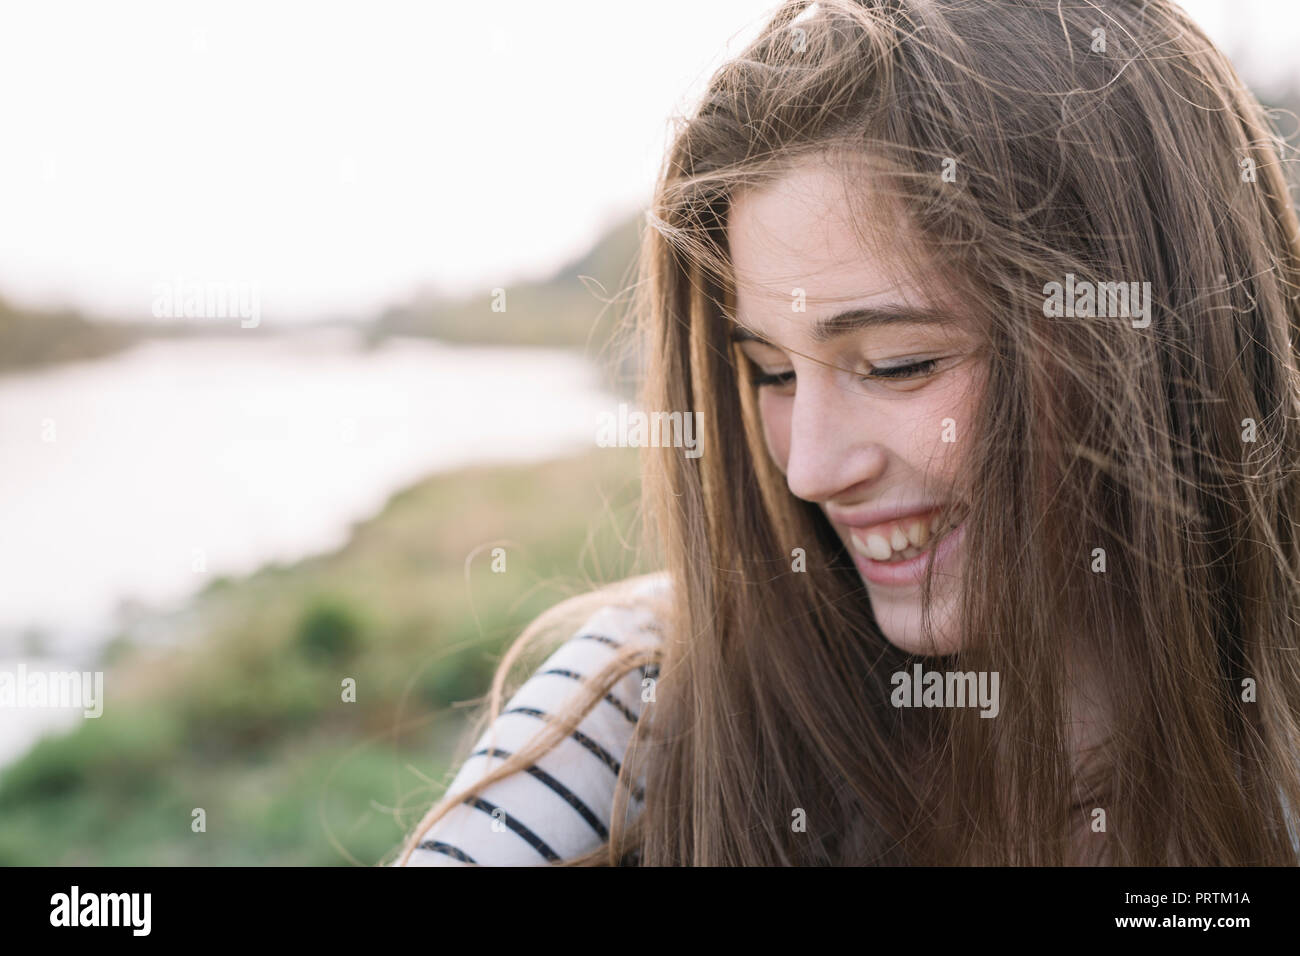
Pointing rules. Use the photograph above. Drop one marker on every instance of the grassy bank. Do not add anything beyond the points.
(245, 719)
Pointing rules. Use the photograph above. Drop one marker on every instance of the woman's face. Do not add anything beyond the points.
(866, 393)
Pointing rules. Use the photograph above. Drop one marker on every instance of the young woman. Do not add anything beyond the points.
(992, 553)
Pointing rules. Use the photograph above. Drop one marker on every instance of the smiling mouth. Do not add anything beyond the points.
(902, 539)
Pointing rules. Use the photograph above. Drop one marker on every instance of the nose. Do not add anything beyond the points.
(832, 442)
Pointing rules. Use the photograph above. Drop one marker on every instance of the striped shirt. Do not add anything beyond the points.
(560, 807)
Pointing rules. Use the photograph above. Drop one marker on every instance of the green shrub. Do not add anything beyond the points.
(330, 630)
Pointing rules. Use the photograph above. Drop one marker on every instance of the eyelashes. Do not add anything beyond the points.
(911, 370)
(762, 379)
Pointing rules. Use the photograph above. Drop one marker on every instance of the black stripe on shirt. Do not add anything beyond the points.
(569, 797)
(533, 840)
(574, 675)
(599, 637)
(437, 846)
(596, 749)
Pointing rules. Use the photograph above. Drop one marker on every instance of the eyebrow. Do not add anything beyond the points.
(855, 320)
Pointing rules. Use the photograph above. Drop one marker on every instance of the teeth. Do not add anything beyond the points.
(878, 548)
(903, 541)
(873, 546)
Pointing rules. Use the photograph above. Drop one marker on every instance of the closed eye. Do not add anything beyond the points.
(912, 370)
(890, 372)
(780, 378)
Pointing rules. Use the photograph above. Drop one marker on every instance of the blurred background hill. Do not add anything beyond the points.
(31, 339)
(581, 302)
(578, 306)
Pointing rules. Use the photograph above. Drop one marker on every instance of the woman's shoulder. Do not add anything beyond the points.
(632, 610)
(559, 807)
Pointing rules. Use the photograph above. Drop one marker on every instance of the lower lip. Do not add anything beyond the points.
(912, 571)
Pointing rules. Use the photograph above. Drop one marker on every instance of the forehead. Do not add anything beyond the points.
(799, 232)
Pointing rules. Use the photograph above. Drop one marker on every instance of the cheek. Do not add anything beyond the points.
(940, 425)
(775, 413)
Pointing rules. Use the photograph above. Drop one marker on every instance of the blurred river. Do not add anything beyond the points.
(135, 479)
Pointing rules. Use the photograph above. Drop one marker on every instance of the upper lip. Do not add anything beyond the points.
(874, 516)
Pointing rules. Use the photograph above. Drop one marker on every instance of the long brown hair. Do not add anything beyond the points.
(1023, 146)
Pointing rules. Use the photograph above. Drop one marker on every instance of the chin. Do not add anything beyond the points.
(894, 588)
(899, 618)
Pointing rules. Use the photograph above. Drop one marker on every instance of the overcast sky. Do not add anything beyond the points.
(341, 155)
